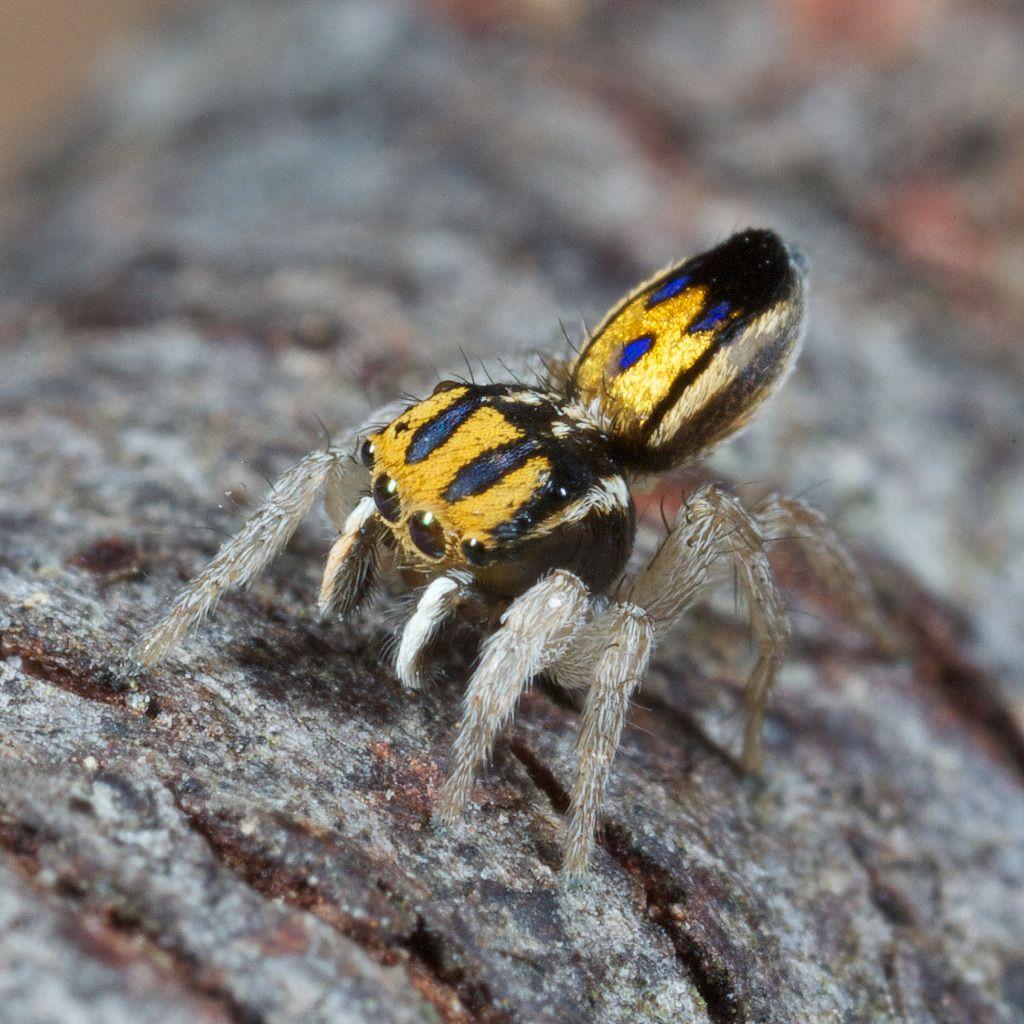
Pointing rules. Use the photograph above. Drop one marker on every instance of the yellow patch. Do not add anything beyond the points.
(422, 484)
(630, 395)
(478, 514)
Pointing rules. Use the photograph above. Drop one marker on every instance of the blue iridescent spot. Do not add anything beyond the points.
(712, 318)
(634, 349)
(669, 290)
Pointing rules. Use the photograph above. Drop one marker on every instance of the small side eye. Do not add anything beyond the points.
(366, 452)
(445, 385)
(385, 497)
(476, 552)
(427, 534)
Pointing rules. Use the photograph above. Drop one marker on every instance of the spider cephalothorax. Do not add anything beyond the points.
(506, 482)
(514, 501)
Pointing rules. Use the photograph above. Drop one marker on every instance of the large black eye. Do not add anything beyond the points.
(366, 452)
(385, 497)
(476, 552)
(427, 534)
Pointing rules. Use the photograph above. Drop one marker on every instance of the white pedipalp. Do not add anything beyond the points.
(436, 604)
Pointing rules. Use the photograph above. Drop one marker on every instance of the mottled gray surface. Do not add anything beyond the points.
(293, 211)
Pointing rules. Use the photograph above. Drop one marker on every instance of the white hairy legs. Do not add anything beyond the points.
(712, 524)
(263, 536)
(609, 657)
(535, 631)
(437, 602)
(791, 519)
(628, 635)
(247, 553)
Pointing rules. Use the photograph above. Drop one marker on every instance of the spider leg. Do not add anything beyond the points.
(262, 537)
(352, 562)
(536, 630)
(247, 553)
(828, 558)
(712, 524)
(436, 603)
(627, 633)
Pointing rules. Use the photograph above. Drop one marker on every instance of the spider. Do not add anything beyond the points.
(511, 504)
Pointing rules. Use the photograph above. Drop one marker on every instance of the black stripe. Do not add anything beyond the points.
(683, 381)
(487, 469)
(717, 417)
(431, 435)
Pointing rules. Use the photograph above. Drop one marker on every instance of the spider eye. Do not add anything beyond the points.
(385, 497)
(366, 452)
(427, 534)
(476, 552)
(445, 385)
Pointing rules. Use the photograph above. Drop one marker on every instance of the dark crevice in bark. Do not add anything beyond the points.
(429, 952)
(659, 710)
(63, 671)
(969, 689)
(23, 842)
(426, 954)
(665, 899)
(891, 904)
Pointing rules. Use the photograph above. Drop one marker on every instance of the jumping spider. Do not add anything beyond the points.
(517, 499)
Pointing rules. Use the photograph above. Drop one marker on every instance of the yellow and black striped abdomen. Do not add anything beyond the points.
(684, 360)
(505, 480)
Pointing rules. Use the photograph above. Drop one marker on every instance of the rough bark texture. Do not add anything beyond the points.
(293, 209)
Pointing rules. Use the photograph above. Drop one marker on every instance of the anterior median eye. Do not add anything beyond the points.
(427, 534)
(385, 497)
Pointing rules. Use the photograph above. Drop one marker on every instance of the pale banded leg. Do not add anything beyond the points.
(247, 553)
(536, 629)
(712, 524)
(628, 635)
(436, 604)
(791, 519)
(352, 561)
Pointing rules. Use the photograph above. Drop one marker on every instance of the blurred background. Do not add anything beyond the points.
(51, 52)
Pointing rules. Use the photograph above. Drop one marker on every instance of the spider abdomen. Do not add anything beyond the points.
(685, 359)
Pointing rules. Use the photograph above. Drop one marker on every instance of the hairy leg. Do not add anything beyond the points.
(352, 561)
(247, 553)
(436, 603)
(536, 630)
(264, 534)
(713, 524)
(628, 636)
(792, 519)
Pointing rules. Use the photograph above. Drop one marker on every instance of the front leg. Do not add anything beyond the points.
(352, 562)
(261, 538)
(536, 629)
(247, 553)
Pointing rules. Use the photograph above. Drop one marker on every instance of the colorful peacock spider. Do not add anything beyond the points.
(516, 500)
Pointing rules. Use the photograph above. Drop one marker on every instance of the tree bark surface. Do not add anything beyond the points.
(290, 212)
